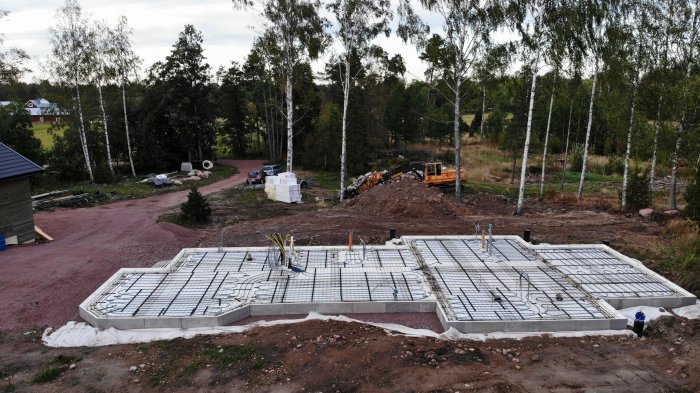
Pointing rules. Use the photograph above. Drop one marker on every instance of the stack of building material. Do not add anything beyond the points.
(283, 188)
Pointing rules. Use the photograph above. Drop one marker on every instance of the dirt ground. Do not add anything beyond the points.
(317, 356)
(42, 286)
(414, 209)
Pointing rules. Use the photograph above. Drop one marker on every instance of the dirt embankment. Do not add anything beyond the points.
(349, 357)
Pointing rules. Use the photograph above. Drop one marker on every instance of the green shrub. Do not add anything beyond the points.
(103, 175)
(638, 192)
(47, 374)
(576, 158)
(196, 209)
(447, 156)
(615, 165)
(692, 196)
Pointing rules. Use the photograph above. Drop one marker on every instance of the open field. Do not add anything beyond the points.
(41, 131)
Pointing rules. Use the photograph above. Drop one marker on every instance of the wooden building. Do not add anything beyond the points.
(16, 216)
(43, 111)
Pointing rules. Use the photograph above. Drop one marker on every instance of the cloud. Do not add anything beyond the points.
(228, 33)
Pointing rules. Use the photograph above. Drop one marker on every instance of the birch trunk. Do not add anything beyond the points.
(588, 132)
(526, 148)
(566, 149)
(625, 176)
(483, 113)
(343, 149)
(458, 141)
(290, 121)
(104, 124)
(681, 126)
(81, 132)
(657, 128)
(126, 127)
(546, 142)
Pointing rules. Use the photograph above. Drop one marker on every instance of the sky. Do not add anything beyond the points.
(228, 33)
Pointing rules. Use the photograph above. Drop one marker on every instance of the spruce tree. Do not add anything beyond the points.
(196, 209)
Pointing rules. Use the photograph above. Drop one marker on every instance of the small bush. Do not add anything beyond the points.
(447, 156)
(103, 175)
(196, 209)
(638, 192)
(615, 165)
(576, 158)
(47, 374)
(692, 196)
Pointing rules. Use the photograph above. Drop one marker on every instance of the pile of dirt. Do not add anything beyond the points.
(407, 198)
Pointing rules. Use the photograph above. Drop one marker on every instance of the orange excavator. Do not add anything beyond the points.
(431, 173)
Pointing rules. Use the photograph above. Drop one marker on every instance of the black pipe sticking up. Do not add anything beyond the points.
(606, 242)
(392, 233)
(526, 235)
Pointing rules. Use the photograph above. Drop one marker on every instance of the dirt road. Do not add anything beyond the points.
(43, 284)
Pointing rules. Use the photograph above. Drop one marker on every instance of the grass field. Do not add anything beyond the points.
(41, 131)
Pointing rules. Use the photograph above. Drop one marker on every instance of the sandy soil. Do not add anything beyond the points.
(43, 284)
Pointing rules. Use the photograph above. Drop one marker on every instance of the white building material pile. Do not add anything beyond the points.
(283, 188)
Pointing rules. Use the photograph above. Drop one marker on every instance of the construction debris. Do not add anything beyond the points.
(41, 235)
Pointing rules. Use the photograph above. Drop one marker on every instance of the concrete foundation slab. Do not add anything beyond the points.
(474, 285)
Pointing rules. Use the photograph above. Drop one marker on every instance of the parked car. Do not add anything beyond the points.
(271, 170)
(255, 177)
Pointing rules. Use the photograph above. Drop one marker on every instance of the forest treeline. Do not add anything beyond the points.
(614, 78)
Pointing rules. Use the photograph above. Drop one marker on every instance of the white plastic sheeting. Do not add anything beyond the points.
(80, 334)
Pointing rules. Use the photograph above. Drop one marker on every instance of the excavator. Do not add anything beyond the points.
(431, 173)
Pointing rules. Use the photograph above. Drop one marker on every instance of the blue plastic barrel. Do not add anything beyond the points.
(3, 245)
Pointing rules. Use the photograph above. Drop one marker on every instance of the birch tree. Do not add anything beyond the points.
(126, 64)
(662, 28)
(538, 30)
(638, 23)
(358, 23)
(467, 25)
(686, 56)
(300, 32)
(101, 72)
(546, 137)
(596, 16)
(70, 59)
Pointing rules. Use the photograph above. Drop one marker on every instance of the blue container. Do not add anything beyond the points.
(3, 245)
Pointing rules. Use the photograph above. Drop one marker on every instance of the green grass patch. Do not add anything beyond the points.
(326, 180)
(193, 367)
(9, 388)
(230, 354)
(592, 177)
(54, 369)
(41, 131)
(683, 264)
(133, 188)
(47, 374)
